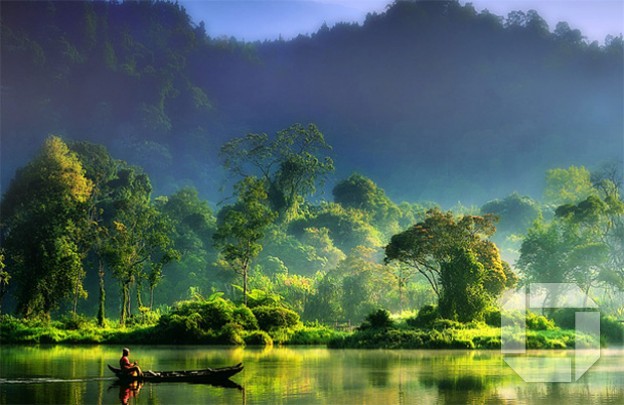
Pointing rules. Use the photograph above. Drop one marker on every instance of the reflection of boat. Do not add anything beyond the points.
(217, 376)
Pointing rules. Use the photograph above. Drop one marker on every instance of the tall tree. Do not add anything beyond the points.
(139, 238)
(45, 227)
(5, 277)
(101, 169)
(241, 227)
(435, 246)
(292, 164)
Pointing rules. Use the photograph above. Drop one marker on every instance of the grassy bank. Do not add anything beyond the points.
(221, 322)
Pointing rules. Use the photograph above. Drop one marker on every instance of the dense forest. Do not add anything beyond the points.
(460, 100)
(123, 122)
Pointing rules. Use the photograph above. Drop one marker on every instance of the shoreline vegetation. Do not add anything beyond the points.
(219, 321)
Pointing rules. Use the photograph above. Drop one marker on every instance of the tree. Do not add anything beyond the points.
(241, 227)
(45, 228)
(362, 193)
(435, 246)
(291, 164)
(566, 186)
(348, 227)
(462, 279)
(193, 227)
(102, 170)
(515, 213)
(583, 243)
(139, 237)
(5, 277)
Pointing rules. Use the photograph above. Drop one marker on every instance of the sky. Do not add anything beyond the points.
(252, 20)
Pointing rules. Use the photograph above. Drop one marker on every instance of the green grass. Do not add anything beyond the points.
(461, 336)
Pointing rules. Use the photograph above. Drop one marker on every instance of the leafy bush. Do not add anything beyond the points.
(313, 335)
(245, 317)
(565, 318)
(74, 322)
(492, 317)
(379, 319)
(230, 334)
(611, 329)
(539, 322)
(271, 317)
(440, 324)
(425, 318)
(258, 338)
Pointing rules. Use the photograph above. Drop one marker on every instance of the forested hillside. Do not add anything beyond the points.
(432, 99)
(341, 154)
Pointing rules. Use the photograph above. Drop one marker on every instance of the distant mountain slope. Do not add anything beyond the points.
(430, 99)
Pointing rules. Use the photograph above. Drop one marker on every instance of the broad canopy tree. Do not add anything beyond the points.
(453, 253)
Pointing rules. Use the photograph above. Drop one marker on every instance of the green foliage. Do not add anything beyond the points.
(271, 318)
(565, 186)
(258, 338)
(313, 334)
(515, 213)
(362, 193)
(425, 318)
(291, 164)
(379, 319)
(241, 227)
(46, 227)
(347, 228)
(5, 277)
(463, 297)
(454, 254)
(539, 322)
(216, 321)
(492, 316)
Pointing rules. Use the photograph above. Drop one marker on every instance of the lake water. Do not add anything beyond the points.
(78, 375)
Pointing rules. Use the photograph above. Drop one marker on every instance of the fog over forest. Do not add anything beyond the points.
(432, 100)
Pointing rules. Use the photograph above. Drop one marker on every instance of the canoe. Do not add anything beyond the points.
(206, 375)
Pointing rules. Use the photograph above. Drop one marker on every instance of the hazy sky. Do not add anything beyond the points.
(252, 20)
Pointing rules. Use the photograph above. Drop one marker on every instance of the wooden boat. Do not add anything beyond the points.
(199, 376)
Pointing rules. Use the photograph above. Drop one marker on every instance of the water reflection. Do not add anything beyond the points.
(296, 376)
(128, 391)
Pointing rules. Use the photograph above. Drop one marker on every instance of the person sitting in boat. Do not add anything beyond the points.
(129, 368)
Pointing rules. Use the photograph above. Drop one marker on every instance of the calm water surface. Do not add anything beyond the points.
(78, 375)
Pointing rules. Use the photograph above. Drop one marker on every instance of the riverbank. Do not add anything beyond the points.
(443, 335)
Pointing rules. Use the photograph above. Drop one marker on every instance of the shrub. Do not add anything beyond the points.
(258, 338)
(379, 319)
(566, 317)
(539, 322)
(243, 316)
(611, 329)
(230, 334)
(271, 317)
(492, 317)
(425, 318)
(74, 322)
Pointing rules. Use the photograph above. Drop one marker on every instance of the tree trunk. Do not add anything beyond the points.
(245, 285)
(101, 308)
(152, 297)
(400, 295)
(139, 298)
(75, 303)
(125, 307)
